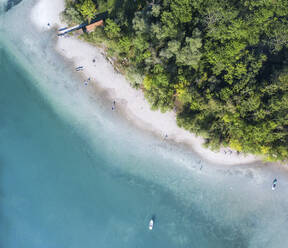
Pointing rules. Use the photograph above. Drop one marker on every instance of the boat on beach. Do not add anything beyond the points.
(79, 68)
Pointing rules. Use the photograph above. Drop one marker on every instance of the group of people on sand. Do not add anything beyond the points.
(228, 151)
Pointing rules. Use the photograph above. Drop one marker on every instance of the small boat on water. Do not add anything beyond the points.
(151, 224)
(274, 184)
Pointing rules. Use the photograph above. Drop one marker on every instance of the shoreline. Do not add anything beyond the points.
(130, 101)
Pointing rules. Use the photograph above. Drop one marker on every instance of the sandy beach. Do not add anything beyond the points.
(129, 100)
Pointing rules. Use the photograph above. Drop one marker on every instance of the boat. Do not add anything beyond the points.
(151, 224)
(61, 29)
(274, 184)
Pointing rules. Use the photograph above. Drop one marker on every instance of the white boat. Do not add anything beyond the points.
(274, 184)
(151, 224)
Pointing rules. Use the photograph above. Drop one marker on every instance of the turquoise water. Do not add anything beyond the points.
(55, 192)
(73, 174)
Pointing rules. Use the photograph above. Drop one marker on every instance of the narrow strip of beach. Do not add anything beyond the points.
(99, 71)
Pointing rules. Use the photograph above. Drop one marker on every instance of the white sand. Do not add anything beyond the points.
(47, 11)
(132, 101)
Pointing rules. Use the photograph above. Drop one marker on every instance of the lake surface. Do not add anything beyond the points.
(56, 193)
(73, 174)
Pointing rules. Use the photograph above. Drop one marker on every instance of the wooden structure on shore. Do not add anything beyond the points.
(89, 28)
(86, 27)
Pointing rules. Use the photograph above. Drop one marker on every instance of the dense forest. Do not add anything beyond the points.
(221, 64)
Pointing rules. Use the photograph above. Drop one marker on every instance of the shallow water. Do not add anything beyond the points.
(73, 174)
(56, 192)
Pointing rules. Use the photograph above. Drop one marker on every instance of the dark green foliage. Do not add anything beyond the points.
(87, 9)
(112, 30)
(71, 13)
(223, 64)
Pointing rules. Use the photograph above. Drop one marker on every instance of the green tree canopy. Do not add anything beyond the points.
(87, 9)
(221, 64)
(112, 30)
